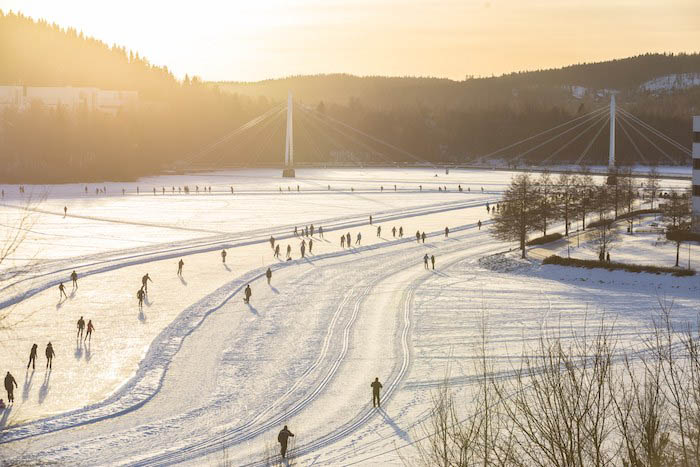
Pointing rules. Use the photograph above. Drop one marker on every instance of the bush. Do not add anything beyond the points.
(590, 264)
(676, 235)
(599, 223)
(545, 239)
(639, 212)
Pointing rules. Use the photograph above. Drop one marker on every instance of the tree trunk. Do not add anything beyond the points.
(522, 246)
(678, 251)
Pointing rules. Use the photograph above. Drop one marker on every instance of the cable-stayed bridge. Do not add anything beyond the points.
(298, 134)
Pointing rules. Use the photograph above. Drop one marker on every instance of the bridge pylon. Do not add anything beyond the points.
(288, 171)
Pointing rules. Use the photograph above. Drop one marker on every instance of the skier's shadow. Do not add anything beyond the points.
(27, 384)
(439, 273)
(44, 389)
(182, 279)
(5, 416)
(226, 267)
(147, 302)
(78, 349)
(253, 309)
(72, 293)
(401, 433)
(274, 289)
(142, 316)
(60, 303)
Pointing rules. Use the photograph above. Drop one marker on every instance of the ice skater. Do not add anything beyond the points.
(379, 231)
(376, 386)
(272, 242)
(223, 256)
(88, 332)
(417, 236)
(447, 232)
(358, 241)
(32, 357)
(65, 211)
(425, 261)
(423, 237)
(268, 274)
(139, 295)
(479, 224)
(180, 264)
(10, 385)
(342, 241)
(62, 291)
(303, 248)
(432, 260)
(248, 293)
(348, 240)
(144, 282)
(81, 327)
(289, 251)
(50, 354)
(282, 438)
(74, 278)
(277, 251)
(393, 231)
(311, 245)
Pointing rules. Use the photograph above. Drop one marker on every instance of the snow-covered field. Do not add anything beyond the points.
(198, 376)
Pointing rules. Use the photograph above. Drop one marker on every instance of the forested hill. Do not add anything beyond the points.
(627, 75)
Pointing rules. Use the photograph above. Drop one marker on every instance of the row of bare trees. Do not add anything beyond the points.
(581, 401)
(531, 204)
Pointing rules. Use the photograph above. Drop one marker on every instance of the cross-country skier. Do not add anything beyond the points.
(268, 274)
(376, 386)
(447, 232)
(425, 261)
(140, 294)
(10, 385)
(50, 354)
(223, 256)
(432, 260)
(358, 241)
(282, 438)
(180, 264)
(62, 291)
(32, 357)
(74, 278)
(81, 326)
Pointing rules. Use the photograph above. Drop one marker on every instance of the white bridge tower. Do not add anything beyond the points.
(611, 154)
(288, 170)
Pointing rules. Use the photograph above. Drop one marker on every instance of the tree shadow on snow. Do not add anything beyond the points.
(401, 433)
(27, 384)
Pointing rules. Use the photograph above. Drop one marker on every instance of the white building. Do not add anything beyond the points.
(696, 174)
(69, 98)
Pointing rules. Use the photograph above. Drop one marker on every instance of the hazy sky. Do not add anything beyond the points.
(252, 40)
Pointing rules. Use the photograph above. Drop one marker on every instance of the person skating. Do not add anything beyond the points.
(311, 230)
(303, 248)
(277, 251)
(50, 354)
(32, 357)
(423, 237)
(447, 232)
(62, 291)
(223, 256)
(311, 245)
(393, 232)
(248, 293)
(479, 224)
(74, 278)
(282, 438)
(342, 241)
(379, 231)
(88, 332)
(272, 242)
(432, 260)
(320, 231)
(425, 261)
(10, 385)
(180, 264)
(358, 241)
(268, 274)
(417, 236)
(289, 251)
(370, 220)
(400, 232)
(376, 386)
(140, 294)
(81, 327)
(144, 282)
(65, 211)
(348, 240)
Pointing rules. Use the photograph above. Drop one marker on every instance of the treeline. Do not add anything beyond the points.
(172, 121)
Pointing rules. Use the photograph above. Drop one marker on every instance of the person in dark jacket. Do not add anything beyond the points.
(32, 357)
(223, 256)
(81, 327)
(447, 232)
(144, 282)
(74, 278)
(423, 237)
(10, 385)
(88, 333)
(180, 264)
(139, 295)
(425, 261)
(376, 386)
(62, 291)
(248, 293)
(432, 260)
(50, 354)
(417, 236)
(283, 437)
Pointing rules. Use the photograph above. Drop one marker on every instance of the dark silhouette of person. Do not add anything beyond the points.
(479, 224)
(320, 231)
(400, 232)
(277, 251)
(376, 386)
(432, 260)
(90, 328)
(311, 230)
(32, 357)
(289, 251)
(359, 239)
(268, 274)
(342, 241)
(248, 293)
(81, 327)
(393, 232)
(370, 220)
(74, 278)
(140, 294)
(62, 291)
(10, 385)
(180, 264)
(296, 231)
(223, 256)
(65, 211)
(272, 242)
(348, 240)
(607, 258)
(379, 231)
(50, 354)
(423, 237)
(417, 236)
(303, 248)
(425, 261)
(283, 437)
(447, 232)
(311, 245)
(144, 282)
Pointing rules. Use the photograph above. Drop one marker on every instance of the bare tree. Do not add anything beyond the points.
(677, 213)
(519, 214)
(651, 187)
(566, 198)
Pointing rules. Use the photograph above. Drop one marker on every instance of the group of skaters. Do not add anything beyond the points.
(62, 288)
(11, 383)
(143, 291)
